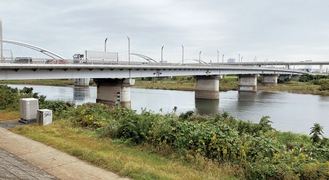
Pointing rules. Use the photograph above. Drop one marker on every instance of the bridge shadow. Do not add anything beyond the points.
(207, 107)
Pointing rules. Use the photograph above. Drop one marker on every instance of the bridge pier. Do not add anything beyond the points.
(207, 87)
(247, 83)
(81, 82)
(270, 79)
(114, 92)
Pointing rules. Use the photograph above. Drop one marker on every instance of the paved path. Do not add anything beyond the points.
(13, 167)
(23, 158)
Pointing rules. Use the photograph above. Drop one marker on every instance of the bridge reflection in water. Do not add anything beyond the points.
(207, 106)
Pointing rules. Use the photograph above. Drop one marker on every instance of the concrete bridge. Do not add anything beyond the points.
(114, 80)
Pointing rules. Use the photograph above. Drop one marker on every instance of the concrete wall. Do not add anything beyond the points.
(247, 83)
(114, 92)
(270, 79)
(82, 82)
(207, 87)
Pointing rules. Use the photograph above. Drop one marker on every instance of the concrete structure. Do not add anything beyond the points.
(207, 87)
(270, 79)
(247, 83)
(81, 81)
(30, 159)
(1, 48)
(114, 91)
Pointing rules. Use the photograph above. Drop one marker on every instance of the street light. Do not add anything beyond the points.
(223, 58)
(128, 49)
(105, 44)
(239, 57)
(162, 54)
(200, 56)
(182, 54)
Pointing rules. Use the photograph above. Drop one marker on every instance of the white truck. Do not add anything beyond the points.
(95, 57)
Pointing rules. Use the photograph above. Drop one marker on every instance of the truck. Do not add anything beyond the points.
(95, 57)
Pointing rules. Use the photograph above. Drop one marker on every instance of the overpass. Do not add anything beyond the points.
(115, 79)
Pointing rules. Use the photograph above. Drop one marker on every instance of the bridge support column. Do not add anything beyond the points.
(270, 79)
(247, 83)
(81, 82)
(114, 92)
(207, 87)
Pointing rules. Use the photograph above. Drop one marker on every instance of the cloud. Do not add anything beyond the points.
(276, 30)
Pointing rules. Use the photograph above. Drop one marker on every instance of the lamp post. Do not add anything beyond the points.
(105, 44)
(182, 54)
(162, 54)
(223, 58)
(239, 58)
(128, 49)
(200, 56)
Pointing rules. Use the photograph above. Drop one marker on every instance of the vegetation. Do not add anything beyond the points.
(189, 146)
(185, 83)
(50, 82)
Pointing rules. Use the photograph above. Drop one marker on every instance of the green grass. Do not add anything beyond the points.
(137, 162)
(296, 87)
(50, 82)
(6, 115)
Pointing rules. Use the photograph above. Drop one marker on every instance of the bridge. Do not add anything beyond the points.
(114, 78)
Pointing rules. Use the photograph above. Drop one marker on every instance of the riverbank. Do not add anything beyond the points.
(188, 84)
(185, 146)
(150, 145)
(47, 82)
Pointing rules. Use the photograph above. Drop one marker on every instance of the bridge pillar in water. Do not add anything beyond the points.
(247, 83)
(82, 82)
(207, 87)
(114, 92)
(270, 79)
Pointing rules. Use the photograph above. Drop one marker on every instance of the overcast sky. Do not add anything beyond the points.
(267, 29)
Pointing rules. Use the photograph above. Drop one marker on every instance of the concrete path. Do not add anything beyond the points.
(23, 158)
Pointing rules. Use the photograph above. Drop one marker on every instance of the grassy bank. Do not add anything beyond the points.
(49, 82)
(10, 115)
(137, 162)
(183, 83)
(185, 146)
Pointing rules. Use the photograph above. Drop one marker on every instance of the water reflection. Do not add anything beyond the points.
(81, 94)
(206, 106)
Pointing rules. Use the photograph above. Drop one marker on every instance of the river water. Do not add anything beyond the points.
(289, 112)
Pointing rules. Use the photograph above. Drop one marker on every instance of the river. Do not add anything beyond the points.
(287, 111)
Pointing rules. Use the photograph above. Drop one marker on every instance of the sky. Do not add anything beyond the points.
(272, 30)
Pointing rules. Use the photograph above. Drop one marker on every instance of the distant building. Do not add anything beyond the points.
(231, 60)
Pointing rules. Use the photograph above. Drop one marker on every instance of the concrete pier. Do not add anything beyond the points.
(207, 87)
(114, 92)
(270, 79)
(247, 83)
(82, 82)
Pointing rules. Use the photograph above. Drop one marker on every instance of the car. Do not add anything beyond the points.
(54, 61)
(23, 60)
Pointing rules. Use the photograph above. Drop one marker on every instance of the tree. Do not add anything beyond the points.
(316, 132)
